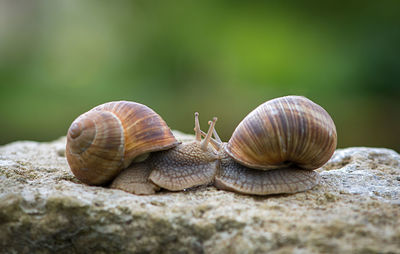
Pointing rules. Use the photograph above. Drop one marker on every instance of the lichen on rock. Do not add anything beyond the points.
(45, 209)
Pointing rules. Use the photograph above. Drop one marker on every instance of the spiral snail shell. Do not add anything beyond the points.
(276, 147)
(106, 139)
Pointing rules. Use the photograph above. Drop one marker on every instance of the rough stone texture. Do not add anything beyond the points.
(44, 209)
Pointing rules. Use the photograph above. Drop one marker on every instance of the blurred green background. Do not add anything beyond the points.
(58, 59)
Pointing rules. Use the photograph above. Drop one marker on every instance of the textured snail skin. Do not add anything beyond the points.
(135, 179)
(105, 140)
(184, 166)
(178, 168)
(232, 176)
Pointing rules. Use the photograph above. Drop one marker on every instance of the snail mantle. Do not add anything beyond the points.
(44, 208)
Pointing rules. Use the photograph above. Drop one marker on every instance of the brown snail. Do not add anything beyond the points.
(103, 142)
(276, 147)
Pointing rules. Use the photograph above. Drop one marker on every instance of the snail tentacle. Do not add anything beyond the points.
(197, 129)
(206, 140)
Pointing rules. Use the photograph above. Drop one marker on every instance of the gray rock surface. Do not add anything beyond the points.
(44, 209)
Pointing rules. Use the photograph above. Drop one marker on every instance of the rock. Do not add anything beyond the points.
(45, 209)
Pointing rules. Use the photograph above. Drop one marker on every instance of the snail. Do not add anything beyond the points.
(276, 148)
(131, 146)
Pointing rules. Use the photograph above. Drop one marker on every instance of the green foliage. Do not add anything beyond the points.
(221, 58)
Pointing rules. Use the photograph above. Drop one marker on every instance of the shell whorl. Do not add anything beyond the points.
(290, 129)
(105, 140)
(95, 147)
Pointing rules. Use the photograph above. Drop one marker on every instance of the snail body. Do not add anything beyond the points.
(233, 176)
(181, 167)
(276, 147)
(103, 142)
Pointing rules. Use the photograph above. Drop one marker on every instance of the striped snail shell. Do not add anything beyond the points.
(106, 139)
(290, 129)
(276, 147)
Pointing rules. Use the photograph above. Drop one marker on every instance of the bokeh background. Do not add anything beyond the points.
(59, 58)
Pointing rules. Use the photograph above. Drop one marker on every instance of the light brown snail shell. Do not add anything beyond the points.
(106, 139)
(290, 129)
